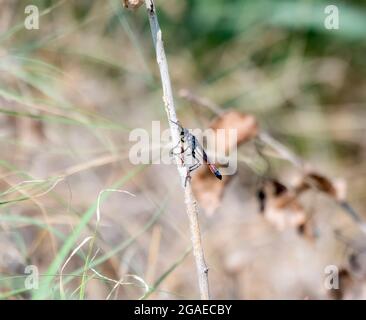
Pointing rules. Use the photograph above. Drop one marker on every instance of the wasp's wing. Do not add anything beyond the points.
(201, 152)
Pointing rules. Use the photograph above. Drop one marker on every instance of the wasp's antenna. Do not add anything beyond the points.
(177, 123)
(179, 126)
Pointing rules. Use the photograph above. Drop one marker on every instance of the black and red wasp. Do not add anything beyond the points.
(196, 150)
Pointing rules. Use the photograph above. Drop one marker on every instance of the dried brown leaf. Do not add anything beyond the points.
(245, 124)
(336, 189)
(319, 182)
(280, 206)
(132, 4)
(206, 187)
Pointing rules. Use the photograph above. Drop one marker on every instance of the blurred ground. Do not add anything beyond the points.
(70, 93)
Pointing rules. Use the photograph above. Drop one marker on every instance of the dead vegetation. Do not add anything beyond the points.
(71, 92)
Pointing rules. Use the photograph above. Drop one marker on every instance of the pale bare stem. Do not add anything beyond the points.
(202, 269)
(283, 151)
(200, 101)
(192, 210)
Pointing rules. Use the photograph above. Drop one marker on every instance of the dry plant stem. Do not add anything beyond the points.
(190, 202)
(281, 149)
(200, 101)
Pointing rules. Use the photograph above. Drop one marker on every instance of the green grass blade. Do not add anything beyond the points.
(43, 291)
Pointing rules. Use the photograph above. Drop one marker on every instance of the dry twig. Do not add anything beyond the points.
(190, 201)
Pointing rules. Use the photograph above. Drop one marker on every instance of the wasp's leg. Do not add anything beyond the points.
(190, 169)
(188, 176)
(195, 165)
(171, 151)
